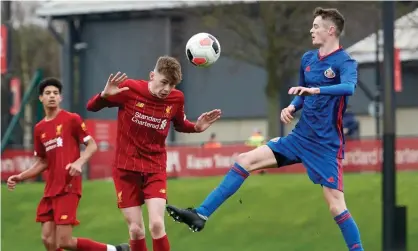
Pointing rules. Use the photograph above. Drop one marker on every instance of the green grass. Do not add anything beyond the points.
(278, 212)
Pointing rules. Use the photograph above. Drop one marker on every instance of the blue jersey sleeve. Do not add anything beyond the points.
(297, 101)
(348, 76)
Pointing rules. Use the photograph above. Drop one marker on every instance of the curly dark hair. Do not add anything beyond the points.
(49, 82)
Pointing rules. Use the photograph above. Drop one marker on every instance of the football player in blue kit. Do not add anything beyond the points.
(328, 76)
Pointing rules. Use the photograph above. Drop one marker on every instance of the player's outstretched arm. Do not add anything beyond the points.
(112, 95)
(37, 168)
(348, 76)
(96, 103)
(182, 124)
(343, 89)
(207, 119)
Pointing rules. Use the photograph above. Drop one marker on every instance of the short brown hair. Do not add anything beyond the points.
(333, 15)
(170, 68)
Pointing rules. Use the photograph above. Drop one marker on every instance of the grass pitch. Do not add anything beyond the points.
(270, 212)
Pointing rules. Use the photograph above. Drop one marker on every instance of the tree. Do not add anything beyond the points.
(33, 47)
(274, 35)
(266, 34)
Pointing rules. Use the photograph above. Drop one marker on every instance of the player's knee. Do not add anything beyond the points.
(136, 231)
(336, 206)
(335, 200)
(65, 242)
(157, 228)
(336, 209)
(246, 161)
(48, 240)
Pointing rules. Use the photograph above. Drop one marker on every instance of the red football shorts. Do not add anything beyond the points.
(61, 209)
(133, 188)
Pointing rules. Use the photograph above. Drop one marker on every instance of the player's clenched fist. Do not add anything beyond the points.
(287, 114)
(12, 181)
(74, 169)
(112, 85)
(303, 91)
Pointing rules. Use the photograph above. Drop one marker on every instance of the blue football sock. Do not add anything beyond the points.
(350, 231)
(230, 184)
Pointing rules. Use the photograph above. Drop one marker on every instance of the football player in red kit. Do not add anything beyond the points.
(57, 140)
(146, 110)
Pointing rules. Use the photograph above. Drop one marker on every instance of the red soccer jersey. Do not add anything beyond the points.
(143, 125)
(58, 141)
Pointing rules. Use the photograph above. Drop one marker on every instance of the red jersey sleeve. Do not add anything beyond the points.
(96, 103)
(180, 122)
(80, 131)
(39, 149)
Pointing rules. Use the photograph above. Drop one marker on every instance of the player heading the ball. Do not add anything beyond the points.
(146, 109)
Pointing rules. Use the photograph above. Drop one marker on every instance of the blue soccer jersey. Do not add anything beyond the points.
(320, 124)
(317, 140)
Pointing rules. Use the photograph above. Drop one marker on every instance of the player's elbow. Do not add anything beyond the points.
(91, 108)
(179, 129)
(350, 89)
(43, 165)
(92, 146)
(176, 127)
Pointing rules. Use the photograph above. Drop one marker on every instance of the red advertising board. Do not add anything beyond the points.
(361, 156)
(3, 49)
(104, 132)
(15, 161)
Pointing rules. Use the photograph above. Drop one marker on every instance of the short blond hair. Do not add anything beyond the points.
(170, 68)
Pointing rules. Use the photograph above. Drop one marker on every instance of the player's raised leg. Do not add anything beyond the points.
(259, 158)
(263, 157)
(343, 218)
(156, 209)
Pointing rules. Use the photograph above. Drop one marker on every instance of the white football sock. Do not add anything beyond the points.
(111, 248)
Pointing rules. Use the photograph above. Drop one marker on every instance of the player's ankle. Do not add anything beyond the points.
(205, 218)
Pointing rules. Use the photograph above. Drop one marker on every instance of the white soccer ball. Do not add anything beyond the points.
(203, 50)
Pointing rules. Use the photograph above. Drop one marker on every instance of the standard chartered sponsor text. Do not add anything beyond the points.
(149, 121)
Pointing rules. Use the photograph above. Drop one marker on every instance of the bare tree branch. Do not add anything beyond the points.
(274, 35)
